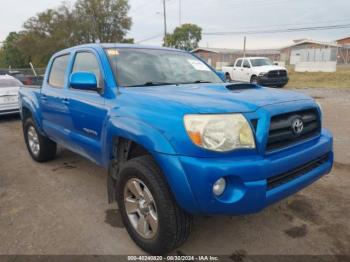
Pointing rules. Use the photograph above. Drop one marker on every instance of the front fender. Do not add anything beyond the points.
(161, 150)
(141, 133)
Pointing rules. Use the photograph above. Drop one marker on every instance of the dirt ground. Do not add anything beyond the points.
(60, 207)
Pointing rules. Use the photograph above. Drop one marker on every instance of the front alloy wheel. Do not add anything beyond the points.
(148, 209)
(141, 208)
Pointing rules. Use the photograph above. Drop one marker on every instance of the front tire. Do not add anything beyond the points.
(254, 80)
(150, 214)
(40, 148)
(228, 78)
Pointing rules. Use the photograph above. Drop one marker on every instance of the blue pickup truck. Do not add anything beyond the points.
(176, 139)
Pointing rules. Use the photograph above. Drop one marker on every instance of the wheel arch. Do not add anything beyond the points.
(253, 75)
(29, 109)
(126, 141)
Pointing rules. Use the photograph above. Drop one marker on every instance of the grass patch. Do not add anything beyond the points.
(338, 79)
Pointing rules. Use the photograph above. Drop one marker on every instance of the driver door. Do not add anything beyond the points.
(87, 108)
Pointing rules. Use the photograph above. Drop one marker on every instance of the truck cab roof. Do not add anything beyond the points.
(114, 45)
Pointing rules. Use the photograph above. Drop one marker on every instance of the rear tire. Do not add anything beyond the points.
(173, 225)
(281, 86)
(40, 148)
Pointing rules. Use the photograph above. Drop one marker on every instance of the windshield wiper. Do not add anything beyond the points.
(152, 84)
(197, 82)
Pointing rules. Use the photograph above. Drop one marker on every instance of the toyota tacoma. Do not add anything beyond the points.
(176, 139)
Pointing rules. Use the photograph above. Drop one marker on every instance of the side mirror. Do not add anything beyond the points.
(83, 81)
(221, 75)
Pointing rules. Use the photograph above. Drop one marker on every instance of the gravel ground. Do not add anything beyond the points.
(60, 207)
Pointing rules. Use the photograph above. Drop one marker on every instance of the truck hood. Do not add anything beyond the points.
(268, 68)
(211, 98)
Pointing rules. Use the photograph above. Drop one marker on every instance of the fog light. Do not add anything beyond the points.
(219, 187)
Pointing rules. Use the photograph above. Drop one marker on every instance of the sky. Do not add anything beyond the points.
(212, 16)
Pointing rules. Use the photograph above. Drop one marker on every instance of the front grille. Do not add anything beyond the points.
(281, 133)
(284, 178)
(277, 73)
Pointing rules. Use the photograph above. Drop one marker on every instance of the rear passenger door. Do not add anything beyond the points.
(87, 108)
(54, 108)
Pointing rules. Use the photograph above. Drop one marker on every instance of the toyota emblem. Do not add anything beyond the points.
(297, 126)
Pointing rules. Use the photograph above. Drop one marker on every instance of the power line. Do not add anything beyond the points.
(142, 6)
(270, 31)
(294, 24)
(149, 38)
(274, 31)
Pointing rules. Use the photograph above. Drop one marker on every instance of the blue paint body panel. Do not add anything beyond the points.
(86, 122)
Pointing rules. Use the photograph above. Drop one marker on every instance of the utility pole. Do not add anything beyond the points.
(165, 29)
(244, 46)
(180, 15)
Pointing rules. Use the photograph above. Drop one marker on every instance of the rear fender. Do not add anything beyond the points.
(33, 107)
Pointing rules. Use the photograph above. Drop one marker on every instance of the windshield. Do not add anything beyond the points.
(140, 67)
(261, 62)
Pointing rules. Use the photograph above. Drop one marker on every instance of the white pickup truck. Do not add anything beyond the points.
(257, 70)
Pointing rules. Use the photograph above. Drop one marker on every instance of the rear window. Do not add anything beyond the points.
(9, 83)
(58, 71)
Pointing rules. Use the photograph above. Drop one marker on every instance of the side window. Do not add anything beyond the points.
(87, 62)
(239, 63)
(58, 71)
(246, 64)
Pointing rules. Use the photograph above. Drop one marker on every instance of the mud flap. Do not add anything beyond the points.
(112, 182)
(121, 149)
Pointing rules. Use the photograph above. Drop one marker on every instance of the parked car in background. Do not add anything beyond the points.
(27, 79)
(177, 140)
(257, 70)
(9, 87)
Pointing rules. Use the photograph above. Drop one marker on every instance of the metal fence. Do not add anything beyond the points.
(23, 71)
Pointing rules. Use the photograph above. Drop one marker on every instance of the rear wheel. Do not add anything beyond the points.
(40, 147)
(149, 212)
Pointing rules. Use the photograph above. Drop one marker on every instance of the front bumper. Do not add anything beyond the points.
(276, 81)
(247, 177)
(8, 109)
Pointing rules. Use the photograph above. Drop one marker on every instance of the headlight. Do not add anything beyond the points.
(220, 133)
(263, 74)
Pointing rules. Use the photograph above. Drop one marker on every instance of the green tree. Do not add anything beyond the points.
(11, 53)
(185, 37)
(102, 20)
(87, 21)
